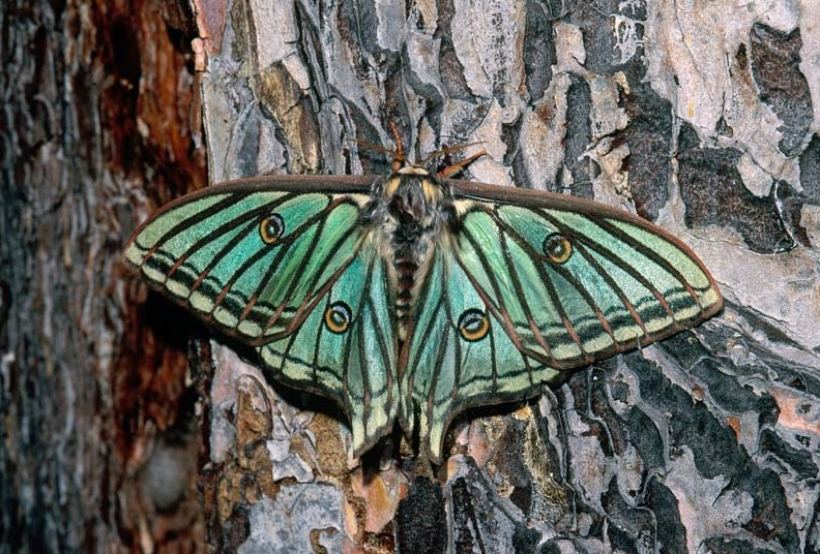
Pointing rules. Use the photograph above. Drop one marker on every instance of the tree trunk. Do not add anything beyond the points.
(128, 426)
(96, 131)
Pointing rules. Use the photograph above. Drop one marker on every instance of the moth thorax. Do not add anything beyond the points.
(412, 197)
(413, 200)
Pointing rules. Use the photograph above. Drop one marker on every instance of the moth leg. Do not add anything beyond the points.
(458, 167)
(398, 155)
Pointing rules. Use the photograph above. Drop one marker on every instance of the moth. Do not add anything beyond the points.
(417, 296)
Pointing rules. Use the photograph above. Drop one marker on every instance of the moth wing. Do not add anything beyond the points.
(578, 281)
(346, 348)
(459, 355)
(252, 255)
(560, 282)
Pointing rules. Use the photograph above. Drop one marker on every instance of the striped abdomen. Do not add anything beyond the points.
(405, 267)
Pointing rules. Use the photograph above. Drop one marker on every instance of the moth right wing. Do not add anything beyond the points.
(288, 265)
(576, 280)
(459, 355)
(346, 348)
(251, 256)
(527, 284)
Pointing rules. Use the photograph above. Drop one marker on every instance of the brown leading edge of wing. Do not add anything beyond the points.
(470, 190)
(331, 184)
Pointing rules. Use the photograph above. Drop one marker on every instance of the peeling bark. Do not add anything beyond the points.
(96, 131)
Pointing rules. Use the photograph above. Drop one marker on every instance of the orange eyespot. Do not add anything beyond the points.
(473, 325)
(272, 228)
(557, 248)
(337, 317)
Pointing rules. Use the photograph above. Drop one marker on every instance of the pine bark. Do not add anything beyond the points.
(96, 131)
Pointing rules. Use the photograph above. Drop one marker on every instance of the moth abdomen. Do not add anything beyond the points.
(405, 268)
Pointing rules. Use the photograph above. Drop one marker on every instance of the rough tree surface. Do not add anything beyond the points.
(128, 426)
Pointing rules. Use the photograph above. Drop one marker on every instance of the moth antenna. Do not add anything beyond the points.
(398, 155)
(364, 145)
(448, 150)
(458, 167)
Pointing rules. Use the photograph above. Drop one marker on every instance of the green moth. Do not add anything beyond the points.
(417, 296)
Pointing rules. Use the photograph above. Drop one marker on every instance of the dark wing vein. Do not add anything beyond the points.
(294, 236)
(614, 286)
(519, 290)
(611, 255)
(317, 343)
(203, 275)
(309, 301)
(565, 273)
(638, 246)
(217, 231)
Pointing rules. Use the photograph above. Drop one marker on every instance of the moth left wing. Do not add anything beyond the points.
(526, 284)
(459, 354)
(286, 263)
(252, 256)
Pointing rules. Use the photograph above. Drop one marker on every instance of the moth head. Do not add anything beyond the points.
(412, 179)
